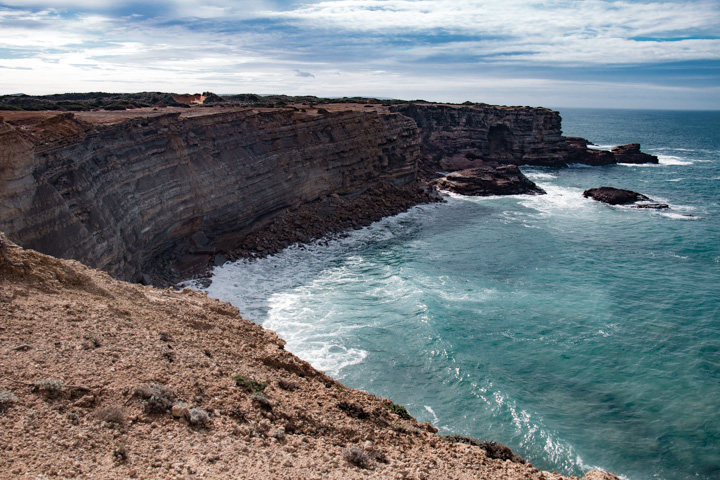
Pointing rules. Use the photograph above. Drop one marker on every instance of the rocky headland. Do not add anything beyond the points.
(106, 379)
(156, 194)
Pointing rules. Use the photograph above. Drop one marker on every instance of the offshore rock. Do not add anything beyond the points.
(631, 153)
(618, 196)
(488, 180)
(578, 152)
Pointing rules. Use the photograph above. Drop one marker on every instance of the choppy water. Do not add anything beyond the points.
(579, 334)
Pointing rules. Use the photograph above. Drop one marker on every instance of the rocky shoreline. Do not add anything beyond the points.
(104, 379)
(156, 195)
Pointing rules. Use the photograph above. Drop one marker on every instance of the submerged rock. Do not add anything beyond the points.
(487, 180)
(618, 196)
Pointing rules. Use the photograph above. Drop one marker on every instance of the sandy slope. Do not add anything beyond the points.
(79, 350)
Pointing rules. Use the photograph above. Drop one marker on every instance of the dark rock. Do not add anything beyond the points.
(618, 196)
(487, 180)
(631, 153)
(578, 152)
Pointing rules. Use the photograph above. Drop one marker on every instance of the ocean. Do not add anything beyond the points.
(579, 334)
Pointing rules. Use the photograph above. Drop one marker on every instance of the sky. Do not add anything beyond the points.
(558, 53)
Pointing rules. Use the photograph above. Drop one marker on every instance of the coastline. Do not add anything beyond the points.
(80, 350)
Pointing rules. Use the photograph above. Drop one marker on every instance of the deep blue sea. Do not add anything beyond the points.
(579, 334)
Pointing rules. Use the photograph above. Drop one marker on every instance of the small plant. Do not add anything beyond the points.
(198, 417)
(398, 410)
(120, 453)
(7, 399)
(114, 415)
(50, 387)
(158, 398)
(91, 341)
(358, 456)
(249, 385)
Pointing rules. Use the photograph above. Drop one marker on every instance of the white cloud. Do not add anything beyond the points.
(477, 50)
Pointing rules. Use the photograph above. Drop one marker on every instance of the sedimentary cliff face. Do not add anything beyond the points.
(116, 196)
(458, 137)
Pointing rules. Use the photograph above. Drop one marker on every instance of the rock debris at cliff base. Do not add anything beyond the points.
(92, 370)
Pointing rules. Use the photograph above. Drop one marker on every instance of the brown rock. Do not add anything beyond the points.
(486, 180)
(631, 153)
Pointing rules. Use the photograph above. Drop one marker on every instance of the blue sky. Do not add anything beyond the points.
(561, 53)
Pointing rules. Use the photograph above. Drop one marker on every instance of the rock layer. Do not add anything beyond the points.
(459, 137)
(117, 196)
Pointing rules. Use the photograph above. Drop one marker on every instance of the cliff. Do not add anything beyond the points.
(160, 194)
(460, 137)
(118, 193)
(101, 379)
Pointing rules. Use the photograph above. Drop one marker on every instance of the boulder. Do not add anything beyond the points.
(488, 180)
(618, 196)
(631, 153)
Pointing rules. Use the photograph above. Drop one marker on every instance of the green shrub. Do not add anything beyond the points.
(398, 410)
(249, 385)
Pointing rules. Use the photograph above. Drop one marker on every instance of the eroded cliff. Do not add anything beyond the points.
(115, 196)
(458, 137)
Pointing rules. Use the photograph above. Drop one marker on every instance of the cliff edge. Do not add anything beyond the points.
(104, 379)
(121, 191)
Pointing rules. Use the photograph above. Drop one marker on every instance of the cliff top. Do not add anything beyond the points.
(105, 379)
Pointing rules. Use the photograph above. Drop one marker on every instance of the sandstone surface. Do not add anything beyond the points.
(101, 379)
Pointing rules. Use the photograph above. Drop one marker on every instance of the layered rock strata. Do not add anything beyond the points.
(116, 196)
(459, 137)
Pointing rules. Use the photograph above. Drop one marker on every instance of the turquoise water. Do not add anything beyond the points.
(579, 334)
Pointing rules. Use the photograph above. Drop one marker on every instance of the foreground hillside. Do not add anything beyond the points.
(105, 379)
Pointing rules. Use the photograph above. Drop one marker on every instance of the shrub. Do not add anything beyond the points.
(398, 410)
(249, 385)
(51, 387)
(120, 452)
(198, 417)
(158, 398)
(7, 399)
(112, 415)
(358, 456)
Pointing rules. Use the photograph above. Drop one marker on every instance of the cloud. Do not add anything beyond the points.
(434, 49)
